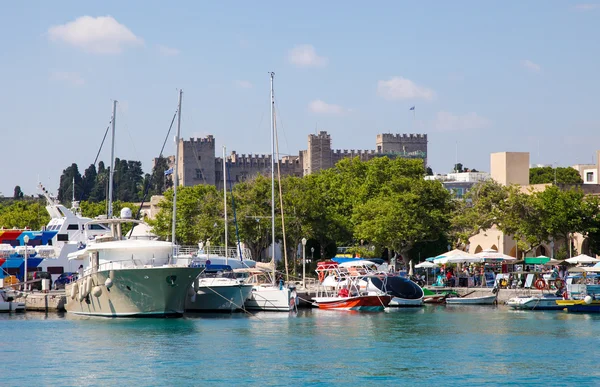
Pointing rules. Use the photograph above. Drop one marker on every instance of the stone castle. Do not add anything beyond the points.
(198, 163)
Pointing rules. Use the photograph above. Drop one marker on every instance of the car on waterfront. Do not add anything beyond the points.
(65, 278)
(37, 277)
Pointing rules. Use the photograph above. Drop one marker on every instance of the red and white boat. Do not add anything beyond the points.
(341, 289)
(369, 303)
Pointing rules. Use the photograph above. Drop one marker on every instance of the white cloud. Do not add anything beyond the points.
(74, 79)
(167, 51)
(530, 65)
(304, 55)
(100, 35)
(321, 107)
(402, 88)
(587, 7)
(243, 84)
(449, 122)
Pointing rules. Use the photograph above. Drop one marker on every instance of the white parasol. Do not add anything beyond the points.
(582, 259)
(456, 256)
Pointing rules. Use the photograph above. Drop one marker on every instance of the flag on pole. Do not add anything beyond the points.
(412, 108)
(169, 172)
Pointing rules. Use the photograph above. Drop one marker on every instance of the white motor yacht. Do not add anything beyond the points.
(128, 277)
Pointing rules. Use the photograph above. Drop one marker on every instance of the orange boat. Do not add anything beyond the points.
(368, 303)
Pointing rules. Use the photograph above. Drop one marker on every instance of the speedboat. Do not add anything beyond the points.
(266, 293)
(538, 302)
(217, 290)
(128, 277)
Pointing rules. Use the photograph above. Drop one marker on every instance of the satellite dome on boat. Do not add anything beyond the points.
(126, 213)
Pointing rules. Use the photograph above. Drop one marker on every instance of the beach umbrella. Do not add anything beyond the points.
(576, 269)
(425, 265)
(582, 258)
(456, 256)
(552, 262)
(491, 254)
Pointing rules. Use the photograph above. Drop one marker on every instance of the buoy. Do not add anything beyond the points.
(74, 290)
(587, 300)
(97, 291)
(108, 283)
(191, 291)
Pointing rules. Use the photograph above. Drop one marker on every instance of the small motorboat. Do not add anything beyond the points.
(484, 300)
(541, 302)
(586, 305)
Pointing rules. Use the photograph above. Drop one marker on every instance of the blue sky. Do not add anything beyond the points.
(486, 76)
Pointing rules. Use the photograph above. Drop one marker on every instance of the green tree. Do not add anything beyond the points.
(546, 175)
(66, 188)
(18, 194)
(24, 214)
(480, 210)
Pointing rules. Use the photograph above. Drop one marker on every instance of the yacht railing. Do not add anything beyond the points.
(219, 251)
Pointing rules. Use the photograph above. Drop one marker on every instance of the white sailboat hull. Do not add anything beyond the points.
(485, 300)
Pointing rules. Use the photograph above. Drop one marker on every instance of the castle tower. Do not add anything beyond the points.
(196, 162)
(319, 154)
(403, 145)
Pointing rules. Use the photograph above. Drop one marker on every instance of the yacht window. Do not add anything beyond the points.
(73, 227)
(97, 227)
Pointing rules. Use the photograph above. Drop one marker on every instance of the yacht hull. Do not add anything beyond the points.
(141, 292)
(359, 303)
(218, 298)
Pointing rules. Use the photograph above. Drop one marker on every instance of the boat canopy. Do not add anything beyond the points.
(536, 260)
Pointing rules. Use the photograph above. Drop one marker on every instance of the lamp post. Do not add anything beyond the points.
(207, 252)
(26, 240)
(304, 263)
(312, 253)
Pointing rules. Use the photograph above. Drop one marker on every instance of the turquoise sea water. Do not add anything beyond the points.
(438, 345)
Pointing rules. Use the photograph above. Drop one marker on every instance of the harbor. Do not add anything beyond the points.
(430, 345)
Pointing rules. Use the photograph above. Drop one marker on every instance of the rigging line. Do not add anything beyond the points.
(282, 127)
(287, 274)
(103, 138)
(168, 133)
(237, 233)
(147, 187)
(126, 126)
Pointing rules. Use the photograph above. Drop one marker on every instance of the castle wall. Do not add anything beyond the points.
(403, 145)
(196, 162)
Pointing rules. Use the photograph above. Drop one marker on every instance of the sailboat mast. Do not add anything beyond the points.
(273, 174)
(73, 198)
(112, 162)
(225, 202)
(176, 172)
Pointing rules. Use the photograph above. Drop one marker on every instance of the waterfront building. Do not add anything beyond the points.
(513, 168)
(459, 183)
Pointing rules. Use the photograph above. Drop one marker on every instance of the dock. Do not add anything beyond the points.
(52, 301)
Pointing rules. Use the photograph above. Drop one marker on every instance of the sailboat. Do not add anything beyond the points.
(129, 277)
(267, 294)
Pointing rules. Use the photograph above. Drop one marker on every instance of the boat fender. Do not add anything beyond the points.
(540, 284)
(97, 291)
(80, 295)
(565, 295)
(193, 298)
(74, 290)
(191, 291)
(89, 286)
(321, 276)
(108, 283)
(588, 300)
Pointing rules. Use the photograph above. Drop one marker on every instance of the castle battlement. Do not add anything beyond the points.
(208, 139)
(402, 137)
(353, 152)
